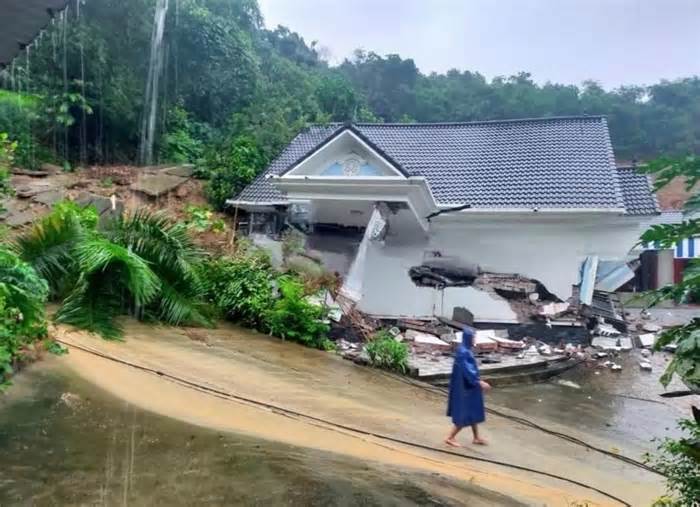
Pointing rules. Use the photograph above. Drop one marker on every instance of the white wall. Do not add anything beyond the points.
(539, 246)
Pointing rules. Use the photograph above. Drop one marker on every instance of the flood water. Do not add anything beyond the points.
(65, 442)
(622, 407)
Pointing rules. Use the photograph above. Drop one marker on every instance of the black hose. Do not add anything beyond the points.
(283, 410)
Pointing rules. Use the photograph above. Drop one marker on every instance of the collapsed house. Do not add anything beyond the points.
(506, 221)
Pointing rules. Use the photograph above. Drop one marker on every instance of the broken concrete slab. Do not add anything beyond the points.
(31, 189)
(650, 327)
(49, 198)
(604, 329)
(51, 168)
(27, 172)
(553, 309)
(155, 185)
(18, 219)
(184, 170)
(484, 340)
(607, 343)
(646, 340)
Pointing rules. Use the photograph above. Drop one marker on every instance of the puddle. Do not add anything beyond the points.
(66, 442)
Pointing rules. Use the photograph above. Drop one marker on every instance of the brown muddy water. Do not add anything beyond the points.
(64, 441)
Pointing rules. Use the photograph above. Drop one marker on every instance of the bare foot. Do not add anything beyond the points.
(479, 441)
(452, 442)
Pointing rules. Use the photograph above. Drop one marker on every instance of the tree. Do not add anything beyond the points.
(680, 459)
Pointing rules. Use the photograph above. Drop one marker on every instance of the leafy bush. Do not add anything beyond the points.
(143, 263)
(22, 297)
(679, 461)
(230, 168)
(385, 352)
(292, 317)
(241, 287)
(200, 219)
(7, 153)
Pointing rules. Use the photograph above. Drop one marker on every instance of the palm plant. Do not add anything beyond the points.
(173, 257)
(142, 263)
(111, 277)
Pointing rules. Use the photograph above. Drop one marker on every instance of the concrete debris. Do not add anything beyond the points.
(600, 355)
(31, 189)
(647, 340)
(645, 353)
(484, 340)
(650, 327)
(545, 350)
(616, 367)
(183, 171)
(607, 343)
(605, 329)
(645, 365)
(49, 198)
(553, 309)
(568, 383)
(28, 172)
(51, 168)
(19, 219)
(505, 343)
(155, 185)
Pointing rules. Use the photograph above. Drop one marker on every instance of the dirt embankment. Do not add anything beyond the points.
(312, 382)
(171, 189)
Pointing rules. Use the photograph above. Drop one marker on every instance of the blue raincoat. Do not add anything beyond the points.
(466, 401)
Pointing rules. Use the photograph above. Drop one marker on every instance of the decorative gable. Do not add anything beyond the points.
(351, 165)
(345, 155)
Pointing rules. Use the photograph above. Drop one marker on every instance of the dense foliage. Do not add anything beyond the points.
(246, 289)
(7, 153)
(141, 263)
(234, 92)
(680, 459)
(22, 297)
(241, 287)
(386, 352)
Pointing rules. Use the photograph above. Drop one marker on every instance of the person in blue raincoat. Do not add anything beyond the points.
(466, 399)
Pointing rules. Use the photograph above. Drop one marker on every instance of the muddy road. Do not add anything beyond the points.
(231, 361)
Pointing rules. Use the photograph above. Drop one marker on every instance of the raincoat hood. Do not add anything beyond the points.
(467, 337)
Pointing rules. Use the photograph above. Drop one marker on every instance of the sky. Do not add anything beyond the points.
(614, 42)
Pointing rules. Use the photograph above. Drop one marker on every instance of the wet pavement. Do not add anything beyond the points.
(312, 382)
(65, 442)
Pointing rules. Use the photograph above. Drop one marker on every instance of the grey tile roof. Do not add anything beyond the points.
(564, 162)
(636, 192)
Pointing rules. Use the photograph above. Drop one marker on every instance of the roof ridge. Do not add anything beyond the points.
(543, 119)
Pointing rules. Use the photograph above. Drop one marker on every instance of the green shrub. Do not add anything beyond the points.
(241, 287)
(230, 168)
(385, 352)
(292, 317)
(7, 155)
(22, 297)
(679, 461)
